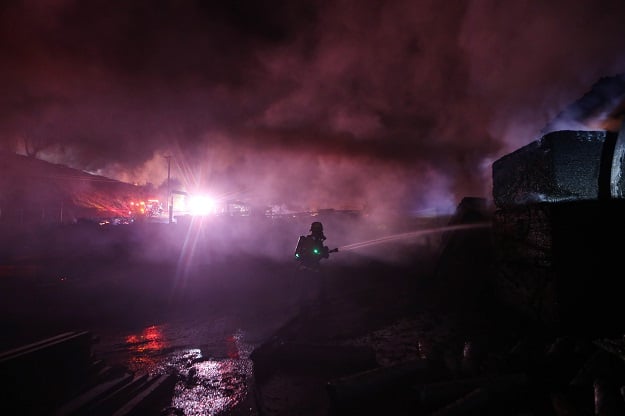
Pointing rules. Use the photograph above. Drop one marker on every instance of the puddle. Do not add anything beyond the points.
(212, 387)
(212, 377)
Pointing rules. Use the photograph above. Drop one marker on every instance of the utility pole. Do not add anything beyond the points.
(169, 196)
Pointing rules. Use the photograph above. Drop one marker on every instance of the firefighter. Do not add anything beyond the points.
(309, 252)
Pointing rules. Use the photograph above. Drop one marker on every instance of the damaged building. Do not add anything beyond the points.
(35, 192)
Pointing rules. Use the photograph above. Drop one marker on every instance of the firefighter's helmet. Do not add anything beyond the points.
(316, 227)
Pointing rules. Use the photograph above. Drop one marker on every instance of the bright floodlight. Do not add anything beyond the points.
(201, 205)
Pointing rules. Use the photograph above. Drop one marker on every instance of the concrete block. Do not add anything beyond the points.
(561, 166)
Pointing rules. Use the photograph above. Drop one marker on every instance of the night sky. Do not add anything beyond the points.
(383, 105)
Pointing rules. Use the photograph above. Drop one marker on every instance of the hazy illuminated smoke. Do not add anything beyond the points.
(384, 106)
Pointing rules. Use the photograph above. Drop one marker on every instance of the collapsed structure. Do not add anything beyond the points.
(560, 214)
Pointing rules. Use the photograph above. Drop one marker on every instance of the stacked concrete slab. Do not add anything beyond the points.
(559, 216)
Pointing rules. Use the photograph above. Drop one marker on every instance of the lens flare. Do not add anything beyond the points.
(199, 205)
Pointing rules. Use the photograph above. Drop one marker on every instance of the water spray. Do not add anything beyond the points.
(412, 234)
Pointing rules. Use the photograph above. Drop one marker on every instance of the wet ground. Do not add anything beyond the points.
(243, 340)
(201, 317)
(145, 323)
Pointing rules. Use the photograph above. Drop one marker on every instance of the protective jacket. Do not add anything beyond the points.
(310, 250)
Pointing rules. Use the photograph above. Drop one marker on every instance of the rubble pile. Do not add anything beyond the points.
(533, 376)
(428, 365)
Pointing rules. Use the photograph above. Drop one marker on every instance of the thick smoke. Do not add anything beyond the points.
(398, 106)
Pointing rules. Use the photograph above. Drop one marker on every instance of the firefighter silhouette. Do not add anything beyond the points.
(310, 279)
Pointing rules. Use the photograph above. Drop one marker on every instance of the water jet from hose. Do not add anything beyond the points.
(413, 234)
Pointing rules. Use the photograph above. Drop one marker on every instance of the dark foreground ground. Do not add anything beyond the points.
(407, 327)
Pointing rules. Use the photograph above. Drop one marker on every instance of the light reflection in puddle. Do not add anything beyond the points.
(212, 387)
(146, 349)
(211, 380)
